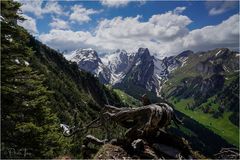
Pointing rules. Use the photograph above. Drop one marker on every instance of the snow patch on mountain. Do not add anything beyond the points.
(218, 53)
(118, 63)
(184, 61)
(116, 78)
(159, 74)
(159, 67)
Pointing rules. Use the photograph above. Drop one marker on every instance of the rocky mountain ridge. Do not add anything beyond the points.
(145, 71)
(148, 71)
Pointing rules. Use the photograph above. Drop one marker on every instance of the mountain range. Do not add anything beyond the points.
(146, 71)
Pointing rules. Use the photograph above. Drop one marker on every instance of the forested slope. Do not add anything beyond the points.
(39, 90)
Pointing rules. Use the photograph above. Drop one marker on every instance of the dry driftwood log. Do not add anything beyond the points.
(142, 120)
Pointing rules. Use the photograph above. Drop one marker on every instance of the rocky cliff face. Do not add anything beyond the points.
(204, 72)
(222, 61)
(198, 87)
(142, 69)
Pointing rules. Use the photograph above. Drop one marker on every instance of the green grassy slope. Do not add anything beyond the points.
(200, 138)
(129, 100)
(221, 126)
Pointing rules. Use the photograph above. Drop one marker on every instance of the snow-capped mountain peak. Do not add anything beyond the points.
(83, 54)
(88, 60)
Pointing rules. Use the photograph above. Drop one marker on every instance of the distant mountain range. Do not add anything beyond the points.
(145, 71)
(141, 67)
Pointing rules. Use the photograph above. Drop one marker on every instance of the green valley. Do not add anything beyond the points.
(221, 125)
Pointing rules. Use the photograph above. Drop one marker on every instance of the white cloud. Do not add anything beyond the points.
(38, 9)
(179, 10)
(164, 34)
(59, 24)
(53, 7)
(29, 24)
(142, 2)
(219, 7)
(81, 14)
(225, 34)
(115, 3)
(34, 7)
(66, 39)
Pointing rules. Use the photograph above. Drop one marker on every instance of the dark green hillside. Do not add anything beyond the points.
(40, 90)
(74, 92)
(27, 122)
(206, 88)
(72, 88)
(136, 91)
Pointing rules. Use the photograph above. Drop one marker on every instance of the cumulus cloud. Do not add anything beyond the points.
(53, 7)
(225, 34)
(29, 24)
(38, 9)
(59, 24)
(219, 7)
(34, 7)
(142, 2)
(164, 34)
(81, 14)
(131, 33)
(115, 3)
(66, 39)
(179, 10)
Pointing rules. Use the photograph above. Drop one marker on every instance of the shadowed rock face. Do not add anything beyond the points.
(143, 68)
(141, 71)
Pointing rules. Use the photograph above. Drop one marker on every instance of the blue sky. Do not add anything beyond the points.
(165, 27)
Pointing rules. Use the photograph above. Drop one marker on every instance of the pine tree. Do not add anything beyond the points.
(29, 128)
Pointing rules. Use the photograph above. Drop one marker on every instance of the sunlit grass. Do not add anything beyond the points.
(127, 98)
(221, 126)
